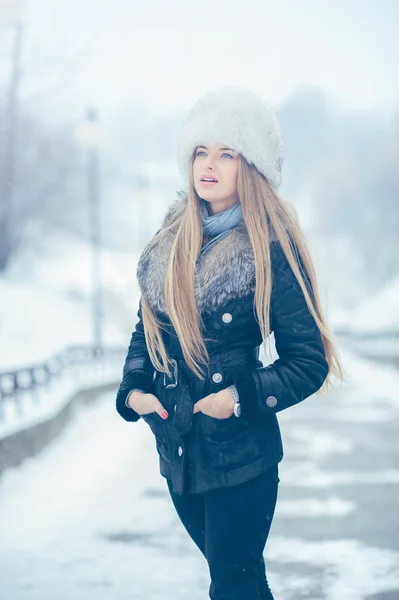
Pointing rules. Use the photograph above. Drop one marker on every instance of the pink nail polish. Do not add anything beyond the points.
(164, 414)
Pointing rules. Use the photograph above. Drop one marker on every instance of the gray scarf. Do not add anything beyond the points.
(218, 225)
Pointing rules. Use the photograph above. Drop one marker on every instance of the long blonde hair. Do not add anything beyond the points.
(262, 207)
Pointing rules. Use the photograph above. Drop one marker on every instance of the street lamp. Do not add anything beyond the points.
(90, 137)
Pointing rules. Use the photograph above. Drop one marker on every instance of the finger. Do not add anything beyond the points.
(158, 408)
(197, 406)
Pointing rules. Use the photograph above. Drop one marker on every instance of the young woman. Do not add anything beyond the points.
(229, 266)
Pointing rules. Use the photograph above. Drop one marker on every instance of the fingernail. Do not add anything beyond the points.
(165, 414)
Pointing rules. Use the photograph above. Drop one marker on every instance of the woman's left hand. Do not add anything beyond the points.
(219, 405)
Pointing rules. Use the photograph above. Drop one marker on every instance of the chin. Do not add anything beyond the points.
(210, 197)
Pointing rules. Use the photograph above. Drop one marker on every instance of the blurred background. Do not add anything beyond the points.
(92, 98)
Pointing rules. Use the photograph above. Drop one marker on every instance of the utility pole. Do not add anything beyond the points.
(10, 144)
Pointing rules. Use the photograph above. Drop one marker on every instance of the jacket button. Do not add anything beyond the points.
(174, 408)
(271, 401)
(227, 317)
(217, 377)
(180, 451)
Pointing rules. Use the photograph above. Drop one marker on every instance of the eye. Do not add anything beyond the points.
(224, 153)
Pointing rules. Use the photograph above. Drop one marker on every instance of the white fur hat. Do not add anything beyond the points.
(242, 120)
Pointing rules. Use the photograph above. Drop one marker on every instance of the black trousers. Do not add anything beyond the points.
(230, 526)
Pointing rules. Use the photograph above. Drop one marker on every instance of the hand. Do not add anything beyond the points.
(219, 405)
(144, 404)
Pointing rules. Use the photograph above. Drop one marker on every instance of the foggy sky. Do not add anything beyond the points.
(164, 55)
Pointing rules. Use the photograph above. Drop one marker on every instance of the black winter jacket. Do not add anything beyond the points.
(197, 452)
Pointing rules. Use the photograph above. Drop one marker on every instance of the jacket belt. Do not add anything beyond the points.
(182, 375)
(183, 417)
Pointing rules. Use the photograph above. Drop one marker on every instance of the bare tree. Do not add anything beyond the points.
(356, 196)
(39, 161)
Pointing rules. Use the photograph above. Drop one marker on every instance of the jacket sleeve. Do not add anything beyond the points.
(301, 367)
(138, 371)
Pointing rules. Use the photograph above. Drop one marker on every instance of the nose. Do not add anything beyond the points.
(209, 162)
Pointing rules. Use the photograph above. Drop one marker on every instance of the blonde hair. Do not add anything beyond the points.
(262, 209)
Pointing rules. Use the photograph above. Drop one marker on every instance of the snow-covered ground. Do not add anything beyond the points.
(379, 314)
(46, 402)
(91, 518)
(372, 329)
(45, 301)
(45, 306)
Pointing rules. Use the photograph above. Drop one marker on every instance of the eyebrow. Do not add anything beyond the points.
(219, 148)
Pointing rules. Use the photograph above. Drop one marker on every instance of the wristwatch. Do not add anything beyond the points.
(237, 406)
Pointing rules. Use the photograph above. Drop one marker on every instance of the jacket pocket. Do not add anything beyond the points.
(158, 428)
(219, 429)
(227, 444)
(155, 423)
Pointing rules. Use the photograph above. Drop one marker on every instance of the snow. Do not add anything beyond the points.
(65, 517)
(352, 570)
(45, 307)
(367, 378)
(379, 313)
(91, 516)
(45, 302)
(44, 403)
(38, 323)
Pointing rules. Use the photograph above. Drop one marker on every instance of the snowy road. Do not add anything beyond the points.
(90, 517)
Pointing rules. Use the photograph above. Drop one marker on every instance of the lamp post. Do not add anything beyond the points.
(89, 136)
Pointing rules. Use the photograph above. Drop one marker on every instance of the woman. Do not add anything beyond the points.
(229, 266)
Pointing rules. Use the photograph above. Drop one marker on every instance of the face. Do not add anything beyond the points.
(221, 164)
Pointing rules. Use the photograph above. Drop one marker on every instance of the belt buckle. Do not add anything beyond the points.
(172, 384)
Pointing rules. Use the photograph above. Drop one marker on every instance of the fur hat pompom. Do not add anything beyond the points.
(240, 119)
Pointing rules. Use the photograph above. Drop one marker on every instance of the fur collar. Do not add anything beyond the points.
(226, 271)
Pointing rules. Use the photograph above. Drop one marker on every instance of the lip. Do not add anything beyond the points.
(208, 177)
(208, 183)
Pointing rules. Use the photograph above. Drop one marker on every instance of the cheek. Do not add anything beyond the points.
(233, 173)
(195, 169)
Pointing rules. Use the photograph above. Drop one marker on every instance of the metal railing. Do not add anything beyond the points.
(73, 360)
